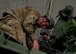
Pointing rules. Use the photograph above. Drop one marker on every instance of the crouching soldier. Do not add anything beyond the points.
(45, 44)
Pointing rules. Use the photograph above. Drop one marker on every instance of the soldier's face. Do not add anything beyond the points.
(45, 37)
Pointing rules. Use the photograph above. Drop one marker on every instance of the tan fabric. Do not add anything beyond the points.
(19, 19)
(13, 28)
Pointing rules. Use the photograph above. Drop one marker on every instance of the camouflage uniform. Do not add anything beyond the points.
(70, 30)
(12, 27)
(23, 23)
(65, 15)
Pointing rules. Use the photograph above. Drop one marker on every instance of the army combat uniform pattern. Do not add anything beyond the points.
(21, 23)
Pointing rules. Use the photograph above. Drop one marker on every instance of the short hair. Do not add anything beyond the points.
(44, 33)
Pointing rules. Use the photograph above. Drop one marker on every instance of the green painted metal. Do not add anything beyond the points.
(69, 53)
(15, 47)
(37, 52)
(10, 45)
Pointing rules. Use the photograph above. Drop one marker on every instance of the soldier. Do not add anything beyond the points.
(65, 15)
(21, 24)
(45, 44)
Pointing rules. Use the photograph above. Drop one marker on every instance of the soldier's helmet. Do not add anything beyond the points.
(68, 9)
